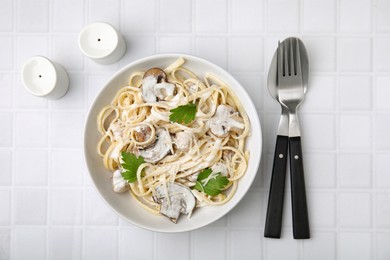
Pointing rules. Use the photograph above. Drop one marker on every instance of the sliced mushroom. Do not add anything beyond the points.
(142, 133)
(155, 86)
(175, 199)
(224, 120)
(159, 149)
(183, 141)
(156, 73)
(119, 184)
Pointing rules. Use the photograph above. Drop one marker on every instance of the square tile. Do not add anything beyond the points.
(382, 163)
(248, 212)
(355, 132)
(74, 98)
(67, 53)
(322, 246)
(69, 173)
(36, 136)
(25, 100)
(6, 16)
(382, 53)
(355, 15)
(107, 11)
(247, 16)
(246, 54)
(222, 222)
(137, 47)
(30, 167)
(322, 53)
(211, 16)
(290, 248)
(175, 16)
(30, 206)
(320, 169)
(6, 52)
(243, 243)
(355, 210)
(349, 48)
(65, 243)
(6, 89)
(66, 207)
(97, 212)
(6, 168)
(6, 131)
(136, 11)
(322, 209)
(212, 242)
(95, 84)
(319, 16)
(320, 94)
(173, 246)
(382, 201)
(28, 13)
(62, 21)
(253, 84)
(28, 46)
(270, 127)
(101, 243)
(283, 16)
(66, 129)
(382, 15)
(97, 67)
(355, 93)
(382, 93)
(355, 170)
(29, 243)
(5, 243)
(311, 128)
(382, 246)
(382, 130)
(354, 245)
(132, 236)
(175, 45)
(213, 49)
(5, 206)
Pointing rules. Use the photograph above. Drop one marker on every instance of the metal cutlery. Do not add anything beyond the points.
(287, 83)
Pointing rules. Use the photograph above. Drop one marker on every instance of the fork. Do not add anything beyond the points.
(291, 94)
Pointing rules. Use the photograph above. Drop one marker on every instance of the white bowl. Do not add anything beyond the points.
(123, 204)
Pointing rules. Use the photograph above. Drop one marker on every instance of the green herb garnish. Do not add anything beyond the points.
(131, 163)
(214, 185)
(183, 114)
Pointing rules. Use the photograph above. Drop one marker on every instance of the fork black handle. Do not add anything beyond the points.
(298, 191)
(273, 223)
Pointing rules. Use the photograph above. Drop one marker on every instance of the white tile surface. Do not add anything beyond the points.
(48, 206)
(65, 243)
(29, 243)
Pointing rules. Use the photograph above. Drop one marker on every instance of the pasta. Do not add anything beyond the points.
(139, 122)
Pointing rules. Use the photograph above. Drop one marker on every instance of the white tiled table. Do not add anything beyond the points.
(48, 207)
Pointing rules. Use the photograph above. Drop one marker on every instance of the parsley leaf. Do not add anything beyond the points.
(183, 114)
(131, 163)
(214, 186)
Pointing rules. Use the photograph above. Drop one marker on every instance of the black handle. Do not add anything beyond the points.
(298, 192)
(273, 223)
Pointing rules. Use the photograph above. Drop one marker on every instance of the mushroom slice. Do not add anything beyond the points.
(175, 199)
(224, 120)
(159, 149)
(119, 184)
(156, 73)
(155, 86)
(183, 141)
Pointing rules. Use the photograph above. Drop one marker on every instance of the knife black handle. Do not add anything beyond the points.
(298, 192)
(273, 223)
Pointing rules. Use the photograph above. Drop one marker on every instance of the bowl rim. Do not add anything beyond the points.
(253, 121)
